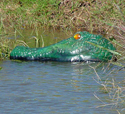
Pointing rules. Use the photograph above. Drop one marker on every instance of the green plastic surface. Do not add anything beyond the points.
(68, 50)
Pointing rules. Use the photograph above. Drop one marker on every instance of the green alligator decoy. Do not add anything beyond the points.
(74, 49)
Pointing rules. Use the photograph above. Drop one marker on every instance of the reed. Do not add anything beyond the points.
(4, 48)
(7, 44)
(114, 89)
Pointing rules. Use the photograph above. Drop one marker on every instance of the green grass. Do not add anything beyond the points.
(27, 13)
(90, 15)
(104, 17)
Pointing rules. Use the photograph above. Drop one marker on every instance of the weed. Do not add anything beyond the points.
(114, 89)
(103, 17)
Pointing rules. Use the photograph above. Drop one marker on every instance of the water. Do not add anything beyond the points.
(58, 88)
(51, 88)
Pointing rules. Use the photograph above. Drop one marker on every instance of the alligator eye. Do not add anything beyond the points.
(77, 36)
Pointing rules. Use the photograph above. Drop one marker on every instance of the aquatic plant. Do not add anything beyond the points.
(4, 48)
(7, 44)
(113, 88)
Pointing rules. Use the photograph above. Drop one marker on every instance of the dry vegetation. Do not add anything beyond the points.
(104, 17)
(99, 16)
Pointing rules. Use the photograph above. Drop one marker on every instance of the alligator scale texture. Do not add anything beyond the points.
(73, 49)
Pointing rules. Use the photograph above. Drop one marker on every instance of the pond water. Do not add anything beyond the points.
(60, 87)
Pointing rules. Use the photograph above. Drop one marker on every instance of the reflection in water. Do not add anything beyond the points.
(41, 37)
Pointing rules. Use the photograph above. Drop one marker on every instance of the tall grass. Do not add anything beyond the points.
(103, 17)
(7, 43)
(26, 13)
(4, 48)
(113, 88)
(89, 14)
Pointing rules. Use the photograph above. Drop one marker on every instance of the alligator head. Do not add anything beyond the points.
(76, 48)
